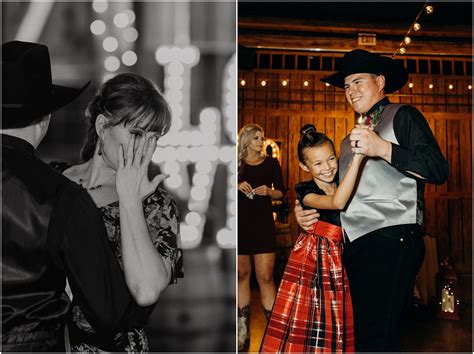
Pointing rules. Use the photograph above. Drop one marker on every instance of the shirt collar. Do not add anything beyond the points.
(18, 144)
(382, 103)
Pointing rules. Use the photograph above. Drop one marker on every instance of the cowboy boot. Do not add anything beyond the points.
(244, 328)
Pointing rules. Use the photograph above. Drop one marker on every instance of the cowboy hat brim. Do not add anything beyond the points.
(22, 115)
(363, 62)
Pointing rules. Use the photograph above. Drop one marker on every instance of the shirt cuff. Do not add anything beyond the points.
(400, 156)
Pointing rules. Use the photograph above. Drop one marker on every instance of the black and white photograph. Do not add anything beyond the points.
(118, 176)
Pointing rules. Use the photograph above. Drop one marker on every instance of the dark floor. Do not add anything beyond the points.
(424, 331)
(427, 333)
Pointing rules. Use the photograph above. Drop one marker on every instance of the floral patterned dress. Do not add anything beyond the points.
(161, 217)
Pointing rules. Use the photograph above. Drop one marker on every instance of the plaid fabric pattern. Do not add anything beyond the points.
(313, 308)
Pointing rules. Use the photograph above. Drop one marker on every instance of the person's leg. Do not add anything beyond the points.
(381, 268)
(244, 270)
(243, 284)
(264, 263)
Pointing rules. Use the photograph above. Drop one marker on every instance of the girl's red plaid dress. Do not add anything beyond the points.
(313, 309)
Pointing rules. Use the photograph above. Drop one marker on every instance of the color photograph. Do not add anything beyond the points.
(357, 120)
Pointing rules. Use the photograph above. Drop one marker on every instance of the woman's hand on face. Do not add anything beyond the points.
(132, 173)
(245, 187)
(263, 190)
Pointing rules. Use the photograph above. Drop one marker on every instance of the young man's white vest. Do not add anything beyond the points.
(383, 195)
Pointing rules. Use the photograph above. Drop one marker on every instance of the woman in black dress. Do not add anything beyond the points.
(257, 173)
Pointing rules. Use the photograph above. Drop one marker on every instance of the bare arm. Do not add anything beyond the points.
(272, 193)
(146, 272)
(339, 200)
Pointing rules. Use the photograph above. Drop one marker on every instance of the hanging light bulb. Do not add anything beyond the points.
(306, 83)
(450, 86)
(410, 85)
(431, 86)
(284, 82)
(242, 82)
(429, 9)
(407, 40)
(469, 87)
(402, 50)
(263, 83)
(416, 26)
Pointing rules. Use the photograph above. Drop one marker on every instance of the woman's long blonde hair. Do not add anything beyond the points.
(246, 134)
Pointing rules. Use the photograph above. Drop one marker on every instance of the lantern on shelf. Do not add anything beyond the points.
(447, 293)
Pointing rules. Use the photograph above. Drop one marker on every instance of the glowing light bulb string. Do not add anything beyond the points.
(401, 48)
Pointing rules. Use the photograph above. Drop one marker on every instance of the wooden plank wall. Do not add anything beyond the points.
(283, 110)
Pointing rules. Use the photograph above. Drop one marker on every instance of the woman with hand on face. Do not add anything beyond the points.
(256, 174)
(127, 116)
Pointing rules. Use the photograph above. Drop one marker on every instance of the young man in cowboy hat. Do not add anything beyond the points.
(48, 222)
(384, 247)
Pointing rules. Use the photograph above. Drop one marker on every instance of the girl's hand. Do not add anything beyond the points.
(263, 190)
(132, 174)
(245, 187)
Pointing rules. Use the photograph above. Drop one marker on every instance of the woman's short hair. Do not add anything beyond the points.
(127, 99)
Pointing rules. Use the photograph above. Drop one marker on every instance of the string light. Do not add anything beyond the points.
(414, 26)
(263, 83)
(98, 27)
(130, 34)
(110, 44)
(469, 87)
(410, 85)
(306, 83)
(450, 86)
(100, 6)
(112, 63)
(284, 83)
(129, 58)
(431, 86)
(242, 82)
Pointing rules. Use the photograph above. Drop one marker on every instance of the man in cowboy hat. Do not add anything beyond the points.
(382, 222)
(50, 226)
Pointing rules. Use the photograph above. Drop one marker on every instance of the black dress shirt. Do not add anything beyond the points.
(418, 151)
(51, 229)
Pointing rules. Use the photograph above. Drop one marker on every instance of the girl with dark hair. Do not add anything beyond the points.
(313, 309)
(126, 118)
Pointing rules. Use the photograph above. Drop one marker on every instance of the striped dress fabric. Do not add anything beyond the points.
(312, 312)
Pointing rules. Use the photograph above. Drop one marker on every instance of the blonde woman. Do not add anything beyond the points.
(256, 174)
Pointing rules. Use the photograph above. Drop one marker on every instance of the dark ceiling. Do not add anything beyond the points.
(457, 14)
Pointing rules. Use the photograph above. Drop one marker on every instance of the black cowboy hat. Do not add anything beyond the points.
(360, 61)
(28, 93)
